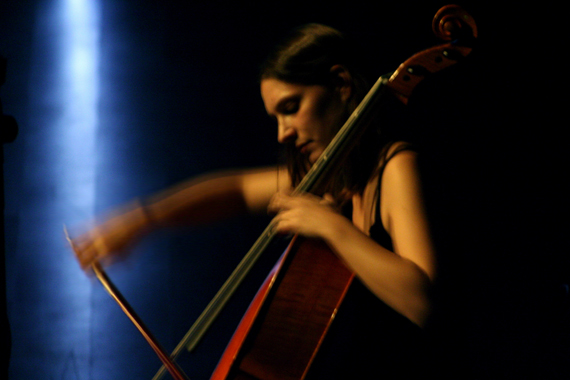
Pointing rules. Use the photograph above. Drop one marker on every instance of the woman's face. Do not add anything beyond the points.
(307, 116)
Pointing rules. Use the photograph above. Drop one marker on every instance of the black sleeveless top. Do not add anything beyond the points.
(370, 340)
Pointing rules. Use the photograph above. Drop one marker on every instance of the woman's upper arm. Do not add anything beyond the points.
(403, 212)
(259, 185)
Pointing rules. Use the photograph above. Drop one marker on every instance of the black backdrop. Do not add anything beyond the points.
(180, 98)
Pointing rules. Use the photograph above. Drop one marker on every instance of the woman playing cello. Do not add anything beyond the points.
(371, 213)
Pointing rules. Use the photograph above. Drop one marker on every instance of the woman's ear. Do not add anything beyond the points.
(342, 81)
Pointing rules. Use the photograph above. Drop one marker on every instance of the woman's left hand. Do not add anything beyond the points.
(305, 214)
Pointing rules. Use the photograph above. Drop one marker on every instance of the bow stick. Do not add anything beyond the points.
(170, 365)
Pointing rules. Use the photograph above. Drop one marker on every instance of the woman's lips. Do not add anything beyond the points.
(304, 148)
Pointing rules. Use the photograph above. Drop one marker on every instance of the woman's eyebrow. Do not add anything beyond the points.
(286, 99)
(279, 105)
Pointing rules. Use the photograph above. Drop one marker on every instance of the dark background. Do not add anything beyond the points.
(177, 95)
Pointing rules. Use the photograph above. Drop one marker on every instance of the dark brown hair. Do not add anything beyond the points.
(306, 57)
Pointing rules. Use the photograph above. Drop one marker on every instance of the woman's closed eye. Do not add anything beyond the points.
(290, 107)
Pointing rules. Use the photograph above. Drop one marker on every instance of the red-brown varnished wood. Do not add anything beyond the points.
(247, 321)
(285, 325)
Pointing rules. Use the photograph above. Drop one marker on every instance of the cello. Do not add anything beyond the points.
(242, 359)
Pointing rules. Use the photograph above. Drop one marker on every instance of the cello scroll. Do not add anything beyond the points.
(451, 23)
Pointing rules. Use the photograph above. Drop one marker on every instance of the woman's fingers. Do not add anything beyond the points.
(82, 249)
(328, 200)
(108, 241)
(95, 245)
(305, 214)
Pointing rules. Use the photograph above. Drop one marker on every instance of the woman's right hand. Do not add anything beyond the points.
(109, 241)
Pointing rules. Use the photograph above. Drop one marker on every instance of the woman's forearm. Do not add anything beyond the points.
(198, 201)
(399, 282)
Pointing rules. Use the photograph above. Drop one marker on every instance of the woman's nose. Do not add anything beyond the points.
(285, 133)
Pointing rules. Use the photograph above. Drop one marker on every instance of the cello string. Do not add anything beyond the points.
(321, 166)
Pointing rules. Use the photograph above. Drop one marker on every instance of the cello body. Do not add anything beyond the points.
(285, 324)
